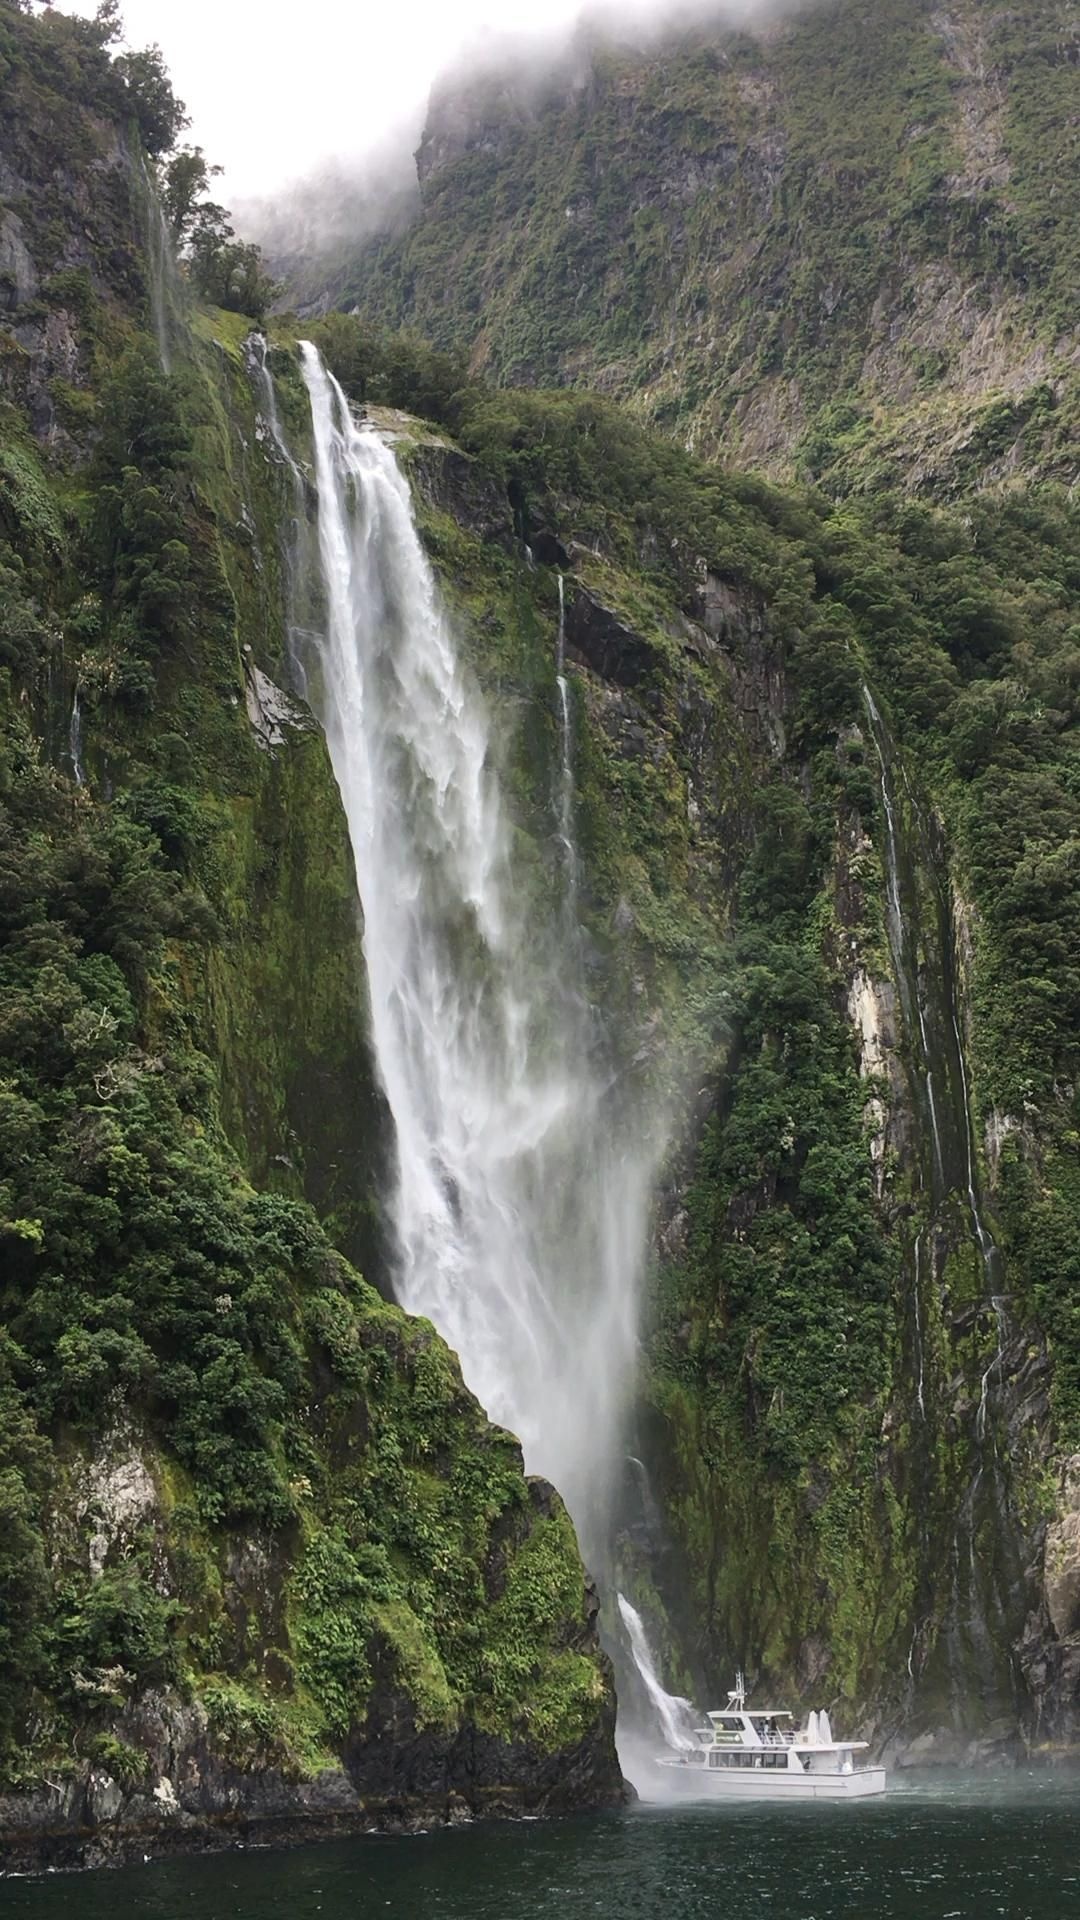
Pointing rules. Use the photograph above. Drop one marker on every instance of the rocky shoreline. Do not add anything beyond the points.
(92, 1821)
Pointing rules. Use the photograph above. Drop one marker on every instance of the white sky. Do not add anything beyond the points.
(272, 89)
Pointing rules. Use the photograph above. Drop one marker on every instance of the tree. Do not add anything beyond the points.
(230, 272)
(160, 115)
(184, 181)
(108, 25)
(224, 269)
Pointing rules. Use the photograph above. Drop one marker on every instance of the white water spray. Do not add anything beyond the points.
(566, 763)
(676, 1715)
(164, 279)
(920, 1360)
(897, 931)
(520, 1206)
(75, 740)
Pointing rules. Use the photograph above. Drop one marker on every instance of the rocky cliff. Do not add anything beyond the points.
(837, 249)
(823, 786)
(264, 1565)
(822, 947)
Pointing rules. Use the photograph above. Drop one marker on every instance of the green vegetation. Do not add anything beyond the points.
(780, 1347)
(189, 1134)
(190, 1137)
(838, 252)
(225, 271)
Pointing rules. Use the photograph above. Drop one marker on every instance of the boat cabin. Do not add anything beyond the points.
(766, 1739)
(759, 1752)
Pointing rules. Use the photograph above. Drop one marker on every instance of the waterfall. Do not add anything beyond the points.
(256, 348)
(988, 1252)
(920, 1358)
(910, 997)
(976, 1616)
(75, 740)
(987, 1245)
(164, 279)
(519, 1204)
(905, 960)
(299, 616)
(566, 763)
(676, 1715)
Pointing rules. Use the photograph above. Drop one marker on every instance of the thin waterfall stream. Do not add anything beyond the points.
(920, 1351)
(165, 285)
(924, 960)
(565, 806)
(906, 971)
(902, 942)
(75, 739)
(676, 1716)
(520, 1201)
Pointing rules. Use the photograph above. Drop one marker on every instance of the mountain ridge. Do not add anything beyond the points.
(836, 251)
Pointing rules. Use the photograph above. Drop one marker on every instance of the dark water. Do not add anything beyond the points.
(968, 1852)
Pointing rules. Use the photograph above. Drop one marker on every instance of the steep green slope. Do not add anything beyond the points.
(844, 250)
(262, 1558)
(857, 1416)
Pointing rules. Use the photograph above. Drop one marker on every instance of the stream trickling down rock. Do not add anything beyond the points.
(521, 1192)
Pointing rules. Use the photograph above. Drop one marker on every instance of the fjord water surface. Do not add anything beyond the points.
(963, 1851)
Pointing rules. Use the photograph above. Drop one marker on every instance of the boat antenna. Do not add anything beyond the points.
(737, 1696)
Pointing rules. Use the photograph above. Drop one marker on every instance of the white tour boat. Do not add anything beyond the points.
(757, 1754)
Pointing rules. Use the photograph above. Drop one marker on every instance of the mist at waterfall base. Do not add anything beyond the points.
(519, 1209)
(651, 1715)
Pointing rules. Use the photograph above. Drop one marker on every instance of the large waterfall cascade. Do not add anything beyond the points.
(520, 1202)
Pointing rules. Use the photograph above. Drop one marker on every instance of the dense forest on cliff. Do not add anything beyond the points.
(244, 1503)
(840, 248)
(827, 804)
(782, 1328)
(837, 250)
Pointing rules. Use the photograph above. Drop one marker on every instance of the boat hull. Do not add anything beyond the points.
(751, 1783)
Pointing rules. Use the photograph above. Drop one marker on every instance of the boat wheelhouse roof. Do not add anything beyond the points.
(749, 1713)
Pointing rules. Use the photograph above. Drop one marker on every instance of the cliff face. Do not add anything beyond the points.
(824, 793)
(834, 251)
(818, 947)
(264, 1565)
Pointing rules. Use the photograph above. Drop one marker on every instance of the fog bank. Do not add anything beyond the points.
(278, 93)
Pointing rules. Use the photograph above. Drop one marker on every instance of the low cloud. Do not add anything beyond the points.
(342, 197)
(278, 93)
